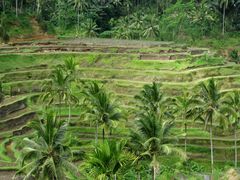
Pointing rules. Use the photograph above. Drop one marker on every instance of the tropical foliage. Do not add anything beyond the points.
(161, 20)
(46, 156)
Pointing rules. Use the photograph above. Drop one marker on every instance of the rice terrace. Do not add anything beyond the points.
(120, 89)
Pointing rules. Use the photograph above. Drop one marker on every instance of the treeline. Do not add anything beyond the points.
(131, 19)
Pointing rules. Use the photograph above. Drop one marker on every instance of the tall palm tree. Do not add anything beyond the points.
(57, 90)
(185, 106)
(152, 138)
(224, 5)
(80, 6)
(70, 69)
(108, 160)
(39, 6)
(46, 156)
(16, 7)
(210, 107)
(90, 91)
(101, 107)
(232, 104)
(151, 98)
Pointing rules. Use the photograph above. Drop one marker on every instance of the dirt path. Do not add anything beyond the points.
(37, 34)
(6, 175)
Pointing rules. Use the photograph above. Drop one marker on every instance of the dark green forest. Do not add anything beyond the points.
(124, 19)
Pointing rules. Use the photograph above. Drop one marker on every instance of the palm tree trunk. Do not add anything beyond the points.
(223, 26)
(185, 124)
(16, 4)
(21, 6)
(211, 142)
(69, 113)
(235, 143)
(96, 133)
(103, 134)
(138, 176)
(59, 109)
(153, 173)
(78, 25)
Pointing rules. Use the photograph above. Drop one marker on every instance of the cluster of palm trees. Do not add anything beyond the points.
(151, 138)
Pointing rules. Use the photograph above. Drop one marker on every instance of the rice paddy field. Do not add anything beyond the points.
(123, 67)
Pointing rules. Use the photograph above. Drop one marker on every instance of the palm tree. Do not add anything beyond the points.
(224, 4)
(232, 104)
(90, 28)
(70, 68)
(57, 89)
(151, 98)
(210, 107)
(103, 110)
(80, 6)
(46, 156)
(185, 106)
(151, 29)
(89, 92)
(108, 160)
(16, 5)
(152, 138)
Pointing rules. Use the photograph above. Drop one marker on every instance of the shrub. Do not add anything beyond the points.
(234, 56)
(3, 30)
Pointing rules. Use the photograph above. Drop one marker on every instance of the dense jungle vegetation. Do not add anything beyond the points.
(178, 20)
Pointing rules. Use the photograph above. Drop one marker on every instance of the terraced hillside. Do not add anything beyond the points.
(123, 67)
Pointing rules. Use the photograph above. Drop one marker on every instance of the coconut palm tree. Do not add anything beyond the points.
(185, 105)
(152, 138)
(80, 6)
(90, 28)
(108, 160)
(57, 89)
(224, 5)
(101, 107)
(16, 7)
(39, 6)
(46, 156)
(89, 92)
(232, 104)
(210, 107)
(70, 69)
(151, 98)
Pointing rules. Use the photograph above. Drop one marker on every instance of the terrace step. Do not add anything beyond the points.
(25, 75)
(17, 121)
(15, 114)
(163, 57)
(11, 105)
(7, 173)
(24, 87)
